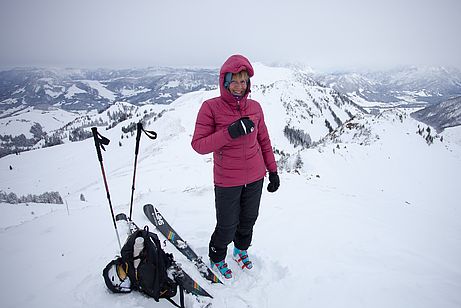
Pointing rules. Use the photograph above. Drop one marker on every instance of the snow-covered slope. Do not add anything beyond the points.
(299, 103)
(442, 115)
(20, 122)
(370, 219)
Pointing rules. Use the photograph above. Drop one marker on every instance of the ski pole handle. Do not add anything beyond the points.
(99, 141)
(96, 142)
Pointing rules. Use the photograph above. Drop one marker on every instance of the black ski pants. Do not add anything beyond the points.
(237, 209)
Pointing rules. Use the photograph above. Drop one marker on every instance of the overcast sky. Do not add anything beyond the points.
(323, 34)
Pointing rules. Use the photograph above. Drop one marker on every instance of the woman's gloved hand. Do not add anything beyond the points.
(241, 127)
(274, 182)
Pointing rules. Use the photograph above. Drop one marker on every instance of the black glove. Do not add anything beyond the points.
(242, 126)
(274, 182)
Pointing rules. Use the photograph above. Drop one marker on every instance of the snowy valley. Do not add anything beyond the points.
(367, 214)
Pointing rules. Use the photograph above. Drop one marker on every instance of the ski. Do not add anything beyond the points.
(181, 277)
(168, 232)
(189, 284)
(131, 226)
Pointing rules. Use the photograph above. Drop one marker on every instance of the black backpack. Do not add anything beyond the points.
(151, 277)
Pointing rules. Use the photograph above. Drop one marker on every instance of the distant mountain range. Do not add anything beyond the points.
(305, 110)
(84, 89)
(79, 89)
(406, 85)
(45, 107)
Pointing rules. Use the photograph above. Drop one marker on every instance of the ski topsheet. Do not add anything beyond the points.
(189, 284)
(162, 225)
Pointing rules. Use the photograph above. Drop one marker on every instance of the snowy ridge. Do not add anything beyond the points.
(300, 103)
(367, 215)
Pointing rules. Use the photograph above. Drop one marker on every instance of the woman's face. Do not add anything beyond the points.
(238, 86)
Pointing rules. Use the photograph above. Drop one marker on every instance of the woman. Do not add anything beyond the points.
(232, 127)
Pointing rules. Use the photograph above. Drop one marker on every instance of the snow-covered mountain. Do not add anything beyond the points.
(404, 86)
(363, 213)
(441, 115)
(43, 107)
(308, 111)
(79, 89)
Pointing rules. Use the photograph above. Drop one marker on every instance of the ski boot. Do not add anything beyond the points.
(241, 257)
(223, 269)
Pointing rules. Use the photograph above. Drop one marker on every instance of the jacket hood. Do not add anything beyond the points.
(234, 64)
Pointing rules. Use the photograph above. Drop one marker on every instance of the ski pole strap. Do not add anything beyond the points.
(149, 133)
(99, 142)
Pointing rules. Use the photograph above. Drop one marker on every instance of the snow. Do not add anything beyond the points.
(49, 90)
(364, 103)
(98, 86)
(18, 91)
(8, 101)
(371, 225)
(13, 216)
(73, 90)
(452, 135)
(102, 90)
(171, 84)
(266, 75)
(132, 92)
(52, 93)
(22, 120)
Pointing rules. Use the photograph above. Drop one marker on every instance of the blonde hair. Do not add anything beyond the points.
(241, 75)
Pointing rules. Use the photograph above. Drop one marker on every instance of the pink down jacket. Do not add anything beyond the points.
(237, 161)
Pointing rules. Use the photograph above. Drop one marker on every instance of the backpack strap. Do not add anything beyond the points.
(181, 298)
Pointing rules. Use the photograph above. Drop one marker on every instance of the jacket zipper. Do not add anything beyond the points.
(244, 148)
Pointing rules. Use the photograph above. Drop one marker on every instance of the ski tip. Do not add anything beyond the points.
(149, 211)
(121, 216)
(148, 208)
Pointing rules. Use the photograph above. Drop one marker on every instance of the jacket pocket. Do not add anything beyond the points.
(218, 165)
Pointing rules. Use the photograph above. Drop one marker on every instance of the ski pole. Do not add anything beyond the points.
(152, 135)
(99, 142)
